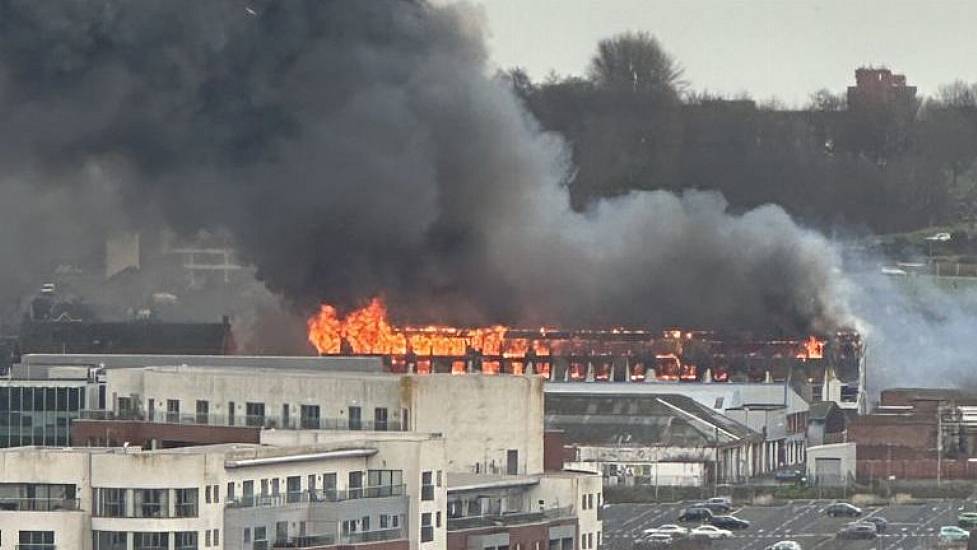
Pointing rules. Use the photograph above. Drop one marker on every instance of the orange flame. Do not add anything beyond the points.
(368, 331)
(812, 348)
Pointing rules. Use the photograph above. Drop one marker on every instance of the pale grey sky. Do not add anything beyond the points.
(786, 48)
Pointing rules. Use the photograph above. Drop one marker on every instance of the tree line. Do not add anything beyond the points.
(633, 123)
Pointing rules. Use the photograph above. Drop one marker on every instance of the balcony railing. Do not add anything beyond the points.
(511, 518)
(362, 537)
(313, 541)
(8, 504)
(248, 421)
(372, 536)
(327, 495)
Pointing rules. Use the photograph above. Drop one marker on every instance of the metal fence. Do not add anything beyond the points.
(11, 504)
(322, 495)
(249, 421)
(511, 518)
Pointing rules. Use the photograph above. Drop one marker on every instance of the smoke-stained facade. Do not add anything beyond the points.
(356, 149)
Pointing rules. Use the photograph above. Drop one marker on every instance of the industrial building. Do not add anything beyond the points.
(760, 428)
(649, 439)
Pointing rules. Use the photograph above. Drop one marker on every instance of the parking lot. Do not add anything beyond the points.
(911, 526)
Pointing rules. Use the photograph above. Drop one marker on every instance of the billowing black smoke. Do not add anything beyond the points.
(362, 148)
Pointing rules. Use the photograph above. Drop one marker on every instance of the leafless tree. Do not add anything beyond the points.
(635, 61)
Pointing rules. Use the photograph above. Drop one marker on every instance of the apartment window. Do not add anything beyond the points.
(150, 541)
(207, 538)
(217, 495)
(329, 486)
(264, 487)
(583, 541)
(247, 535)
(437, 519)
(150, 503)
(281, 532)
(349, 526)
(427, 530)
(230, 413)
(185, 540)
(311, 487)
(365, 523)
(285, 415)
(355, 418)
(309, 417)
(355, 485)
(439, 478)
(395, 521)
(380, 419)
(173, 410)
(254, 414)
(590, 501)
(275, 487)
(384, 521)
(583, 502)
(384, 483)
(427, 486)
(512, 462)
(217, 537)
(230, 491)
(110, 540)
(36, 540)
(260, 537)
(111, 503)
(207, 494)
(151, 410)
(203, 412)
(293, 488)
(125, 406)
(186, 503)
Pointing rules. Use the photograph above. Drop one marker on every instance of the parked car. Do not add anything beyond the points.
(784, 545)
(857, 531)
(729, 522)
(695, 513)
(790, 476)
(725, 500)
(879, 522)
(952, 533)
(710, 532)
(669, 529)
(716, 507)
(967, 520)
(654, 540)
(842, 509)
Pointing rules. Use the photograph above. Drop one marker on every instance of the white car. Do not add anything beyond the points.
(670, 529)
(710, 532)
(940, 237)
(784, 545)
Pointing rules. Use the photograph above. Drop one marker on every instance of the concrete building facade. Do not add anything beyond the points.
(234, 496)
(492, 424)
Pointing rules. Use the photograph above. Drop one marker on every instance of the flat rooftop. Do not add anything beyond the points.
(460, 482)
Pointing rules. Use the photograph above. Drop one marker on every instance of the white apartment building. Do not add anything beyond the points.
(387, 490)
(491, 424)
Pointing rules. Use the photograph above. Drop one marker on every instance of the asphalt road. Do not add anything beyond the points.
(911, 526)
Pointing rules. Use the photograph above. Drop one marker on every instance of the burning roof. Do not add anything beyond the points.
(580, 354)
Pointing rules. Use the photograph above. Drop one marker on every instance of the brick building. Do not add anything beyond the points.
(914, 433)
